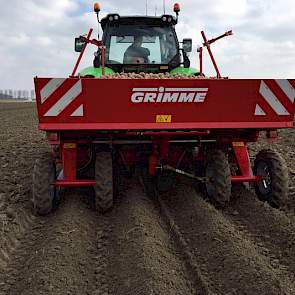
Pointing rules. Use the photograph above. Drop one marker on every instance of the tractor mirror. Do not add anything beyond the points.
(187, 45)
(79, 44)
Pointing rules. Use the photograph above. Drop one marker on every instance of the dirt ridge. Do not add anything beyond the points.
(228, 260)
(144, 258)
(190, 260)
(58, 254)
(272, 230)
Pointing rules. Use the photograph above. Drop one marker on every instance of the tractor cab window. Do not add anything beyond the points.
(140, 45)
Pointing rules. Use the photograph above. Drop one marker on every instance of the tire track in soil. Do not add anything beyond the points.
(61, 254)
(11, 240)
(271, 230)
(228, 259)
(144, 258)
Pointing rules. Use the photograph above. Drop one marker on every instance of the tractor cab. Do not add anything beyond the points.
(141, 44)
(136, 43)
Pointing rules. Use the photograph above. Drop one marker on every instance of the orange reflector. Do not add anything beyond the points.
(176, 7)
(70, 145)
(238, 144)
(96, 7)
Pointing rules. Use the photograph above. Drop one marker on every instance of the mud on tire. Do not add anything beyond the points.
(104, 190)
(43, 189)
(274, 188)
(217, 169)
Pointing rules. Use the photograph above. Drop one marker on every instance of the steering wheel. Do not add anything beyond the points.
(137, 60)
(114, 62)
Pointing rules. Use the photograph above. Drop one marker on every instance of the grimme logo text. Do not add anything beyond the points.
(169, 95)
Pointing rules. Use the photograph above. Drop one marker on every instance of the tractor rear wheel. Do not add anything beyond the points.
(217, 170)
(274, 186)
(104, 190)
(43, 189)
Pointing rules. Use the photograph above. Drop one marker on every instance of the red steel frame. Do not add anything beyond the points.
(207, 44)
(69, 162)
(242, 155)
(201, 60)
(160, 152)
(181, 126)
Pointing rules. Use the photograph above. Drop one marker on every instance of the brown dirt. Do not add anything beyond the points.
(58, 254)
(229, 258)
(143, 258)
(179, 245)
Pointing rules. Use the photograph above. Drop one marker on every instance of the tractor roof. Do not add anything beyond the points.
(116, 19)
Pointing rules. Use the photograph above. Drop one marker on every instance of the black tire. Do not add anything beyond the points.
(104, 190)
(43, 190)
(274, 188)
(217, 169)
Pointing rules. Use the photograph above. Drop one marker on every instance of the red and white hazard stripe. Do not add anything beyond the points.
(273, 100)
(287, 88)
(71, 95)
(50, 88)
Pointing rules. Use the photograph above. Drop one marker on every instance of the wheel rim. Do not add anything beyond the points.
(263, 170)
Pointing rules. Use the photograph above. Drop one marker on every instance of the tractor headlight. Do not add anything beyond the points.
(111, 18)
(164, 18)
(116, 17)
(170, 19)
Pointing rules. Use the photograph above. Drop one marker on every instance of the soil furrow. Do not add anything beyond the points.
(227, 259)
(59, 255)
(143, 258)
(272, 230)
(203, 287)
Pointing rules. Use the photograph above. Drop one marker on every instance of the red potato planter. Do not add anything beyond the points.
(199, 127)
(146, 132)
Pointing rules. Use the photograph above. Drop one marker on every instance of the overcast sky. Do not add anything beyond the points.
(38, 36)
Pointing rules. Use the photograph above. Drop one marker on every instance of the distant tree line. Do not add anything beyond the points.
(17, 94)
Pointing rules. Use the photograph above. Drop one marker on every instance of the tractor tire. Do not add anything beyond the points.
(44, 192)
(104, 188)
(274, 188)
(217, 169)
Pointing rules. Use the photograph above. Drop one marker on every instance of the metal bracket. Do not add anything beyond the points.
(181, 172)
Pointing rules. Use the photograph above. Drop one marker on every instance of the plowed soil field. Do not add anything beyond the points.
(177, 244)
